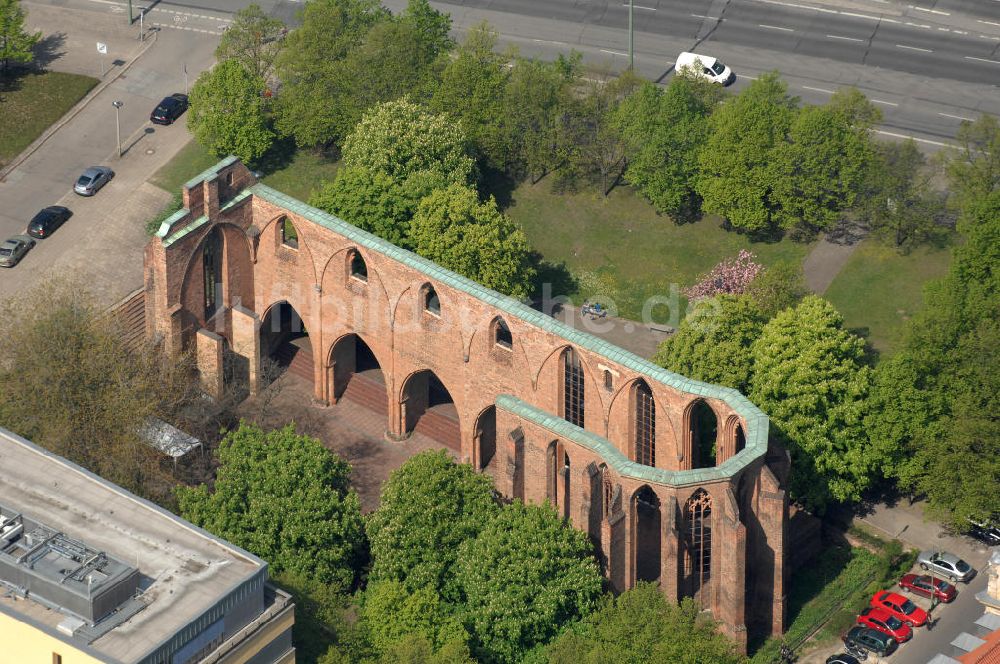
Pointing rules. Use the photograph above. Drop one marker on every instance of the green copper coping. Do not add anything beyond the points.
(194, 224)
(214, 170)
(756, 421)
(613, 456)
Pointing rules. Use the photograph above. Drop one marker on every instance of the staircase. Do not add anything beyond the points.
(440, 423)
(296, 355)
(367, 390)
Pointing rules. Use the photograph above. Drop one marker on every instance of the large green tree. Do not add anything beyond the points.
(525, 577)
(16, 44)
(310, 66)
(227, 113)
(393, 614)
(641, 626)
(933, 404)
(738, 165)
(287, 499)
(253, 40)
(713, 342)
(810, 377)
(823, 166)
(472, 90)
(664, 130)
(399, 138)
(900, 205)
(429, 506)
(453, 229)
(974, 168)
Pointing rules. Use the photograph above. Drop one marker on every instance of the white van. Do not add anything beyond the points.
(705, 67)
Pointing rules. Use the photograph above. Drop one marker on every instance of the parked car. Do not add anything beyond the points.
(842, 658)
(866, 638)
(92, 179)
(946, 564)
(883, 621)
(45, 222)
(900, 607)
(928, 586)
(704, 66)
(986, 532)
(169, 109)
(13, 249)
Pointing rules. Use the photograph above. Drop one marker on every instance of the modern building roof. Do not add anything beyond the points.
(97, 535)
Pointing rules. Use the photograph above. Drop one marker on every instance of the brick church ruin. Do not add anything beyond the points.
(673, 479)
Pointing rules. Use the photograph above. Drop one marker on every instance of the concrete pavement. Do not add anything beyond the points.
(112, 222)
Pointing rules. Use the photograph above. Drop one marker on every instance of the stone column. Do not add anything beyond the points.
(246, 342)
(730, 583)
(669, 550)
(210, 360)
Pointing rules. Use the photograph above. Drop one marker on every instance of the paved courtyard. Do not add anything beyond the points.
(354, 432)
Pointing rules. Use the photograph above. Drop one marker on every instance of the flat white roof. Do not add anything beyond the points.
(187, 570)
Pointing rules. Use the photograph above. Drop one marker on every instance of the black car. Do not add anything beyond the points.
(46, 221)
(842, 658)
(169, 109)
(866, 638)
(985, 531)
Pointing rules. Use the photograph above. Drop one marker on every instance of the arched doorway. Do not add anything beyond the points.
(646, 510)
(356, 375)
(703, 428)
(430, 410)
(486, 437)
(284, 345)
(698, 546)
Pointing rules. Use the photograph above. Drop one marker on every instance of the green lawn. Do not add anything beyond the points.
(296, 177)
(618, 247)
(31, 103)
(879, 289)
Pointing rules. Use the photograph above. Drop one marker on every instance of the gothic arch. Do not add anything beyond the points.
(275, 234)
(701, 434)
(428, 408)
(485, 437)
(733, 439)
(354, 371)
(642, 423)
(647, 544)
(698, 552)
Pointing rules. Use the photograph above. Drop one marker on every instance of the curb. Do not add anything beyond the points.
(73, 112)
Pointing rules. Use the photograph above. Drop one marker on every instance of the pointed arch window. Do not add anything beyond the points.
(501, 334)
(431, 302)
(289, 236)
(573, 388)
(698, 514)
(211, 256)
(359, 269)
(645, 424)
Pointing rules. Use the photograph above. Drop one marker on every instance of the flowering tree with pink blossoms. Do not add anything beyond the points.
(732, 276)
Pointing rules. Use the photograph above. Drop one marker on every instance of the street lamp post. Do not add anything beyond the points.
(631, 35)
(118, 125)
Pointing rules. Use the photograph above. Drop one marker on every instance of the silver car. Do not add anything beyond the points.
(947, 565)
(13, 249)
(92, 179)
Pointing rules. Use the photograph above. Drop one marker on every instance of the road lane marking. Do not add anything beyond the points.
(887, 103)
(829, 92)
(919, 25)
(798, 6)
(873, 18)
(956, 117)
(750, 78)
(987, 22)
(914, 48)
(604, 50)
(918, 140)
(930, 11)
(649, 9)
(992, 62)
(775, 27)
(711, 18)
(845, 38)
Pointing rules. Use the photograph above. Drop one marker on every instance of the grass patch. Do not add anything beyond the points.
(619, 248)
(879, 289)
(191, 160)
(29, 104)
(175, 204)
(832, 589)
(296, 176)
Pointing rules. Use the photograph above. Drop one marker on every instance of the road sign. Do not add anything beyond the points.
(102, 48)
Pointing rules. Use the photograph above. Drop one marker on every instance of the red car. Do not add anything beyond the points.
(900, 607)
(883, 621)
(924, 584)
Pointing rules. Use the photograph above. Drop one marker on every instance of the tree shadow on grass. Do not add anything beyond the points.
(278, 158)
(551, 279)
(499, 185)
